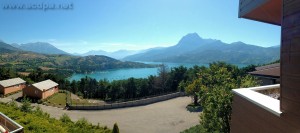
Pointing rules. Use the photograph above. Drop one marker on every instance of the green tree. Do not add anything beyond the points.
(143, 88)
(213, 86)
(131, 89)
(151, 85)
(103, 89)
(162, 78)
(193, 90)
(7, 73)
(176, 75)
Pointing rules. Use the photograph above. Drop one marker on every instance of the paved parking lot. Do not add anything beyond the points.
(168, 116)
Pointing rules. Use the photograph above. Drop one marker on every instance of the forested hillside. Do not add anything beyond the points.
(23, 61)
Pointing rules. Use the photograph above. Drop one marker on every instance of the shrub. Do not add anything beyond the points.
(115, 128)
(26, 105)
(38, 121)
(82, 123)
(196, 129)
(65, 118)
(13, 104)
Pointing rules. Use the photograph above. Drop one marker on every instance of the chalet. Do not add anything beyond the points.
(254, 112)
(41, 90)
(268, 74)
(11, 85)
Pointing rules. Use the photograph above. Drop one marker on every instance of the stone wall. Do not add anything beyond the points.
(127, 104)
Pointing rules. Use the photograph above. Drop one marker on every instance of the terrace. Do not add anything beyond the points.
(262, 96)
(9, 125)
(272, 108)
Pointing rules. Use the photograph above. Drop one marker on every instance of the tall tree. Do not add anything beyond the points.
(176, 75)
(216, 101)
(193, 90)
(162, 78)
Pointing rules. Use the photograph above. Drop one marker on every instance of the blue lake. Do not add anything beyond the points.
(118, 74)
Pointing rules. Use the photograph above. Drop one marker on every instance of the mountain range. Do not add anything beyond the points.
(116, 54)
(194, 49)
(191, 48)
(6, 48)
(47, 48)
(39, 47)
(25, 61)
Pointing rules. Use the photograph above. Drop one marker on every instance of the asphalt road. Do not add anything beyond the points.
(168, 116)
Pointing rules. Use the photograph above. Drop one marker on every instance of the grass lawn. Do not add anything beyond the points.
(58, 100)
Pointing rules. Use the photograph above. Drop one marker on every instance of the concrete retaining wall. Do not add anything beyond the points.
(127, 104)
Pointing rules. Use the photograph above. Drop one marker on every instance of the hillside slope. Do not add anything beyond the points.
(40, 47)
(25, 61)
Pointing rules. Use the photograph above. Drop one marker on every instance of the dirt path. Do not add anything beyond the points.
(168, 116)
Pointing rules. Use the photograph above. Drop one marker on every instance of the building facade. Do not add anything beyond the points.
(253, 112)
(41, 90)
(11, 85)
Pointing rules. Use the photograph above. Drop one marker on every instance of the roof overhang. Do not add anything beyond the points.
(268, 11)
(267, 71)
(266, 76)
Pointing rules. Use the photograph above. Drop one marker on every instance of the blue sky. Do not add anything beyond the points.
(130, 24)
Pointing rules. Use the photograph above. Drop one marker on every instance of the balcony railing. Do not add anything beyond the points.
(10, 125)
(264, 101)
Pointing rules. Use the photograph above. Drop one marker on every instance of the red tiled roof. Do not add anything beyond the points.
(272, 70)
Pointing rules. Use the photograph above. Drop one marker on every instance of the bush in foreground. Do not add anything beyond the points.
(38, 121)
(116, 128)
(195, 129)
